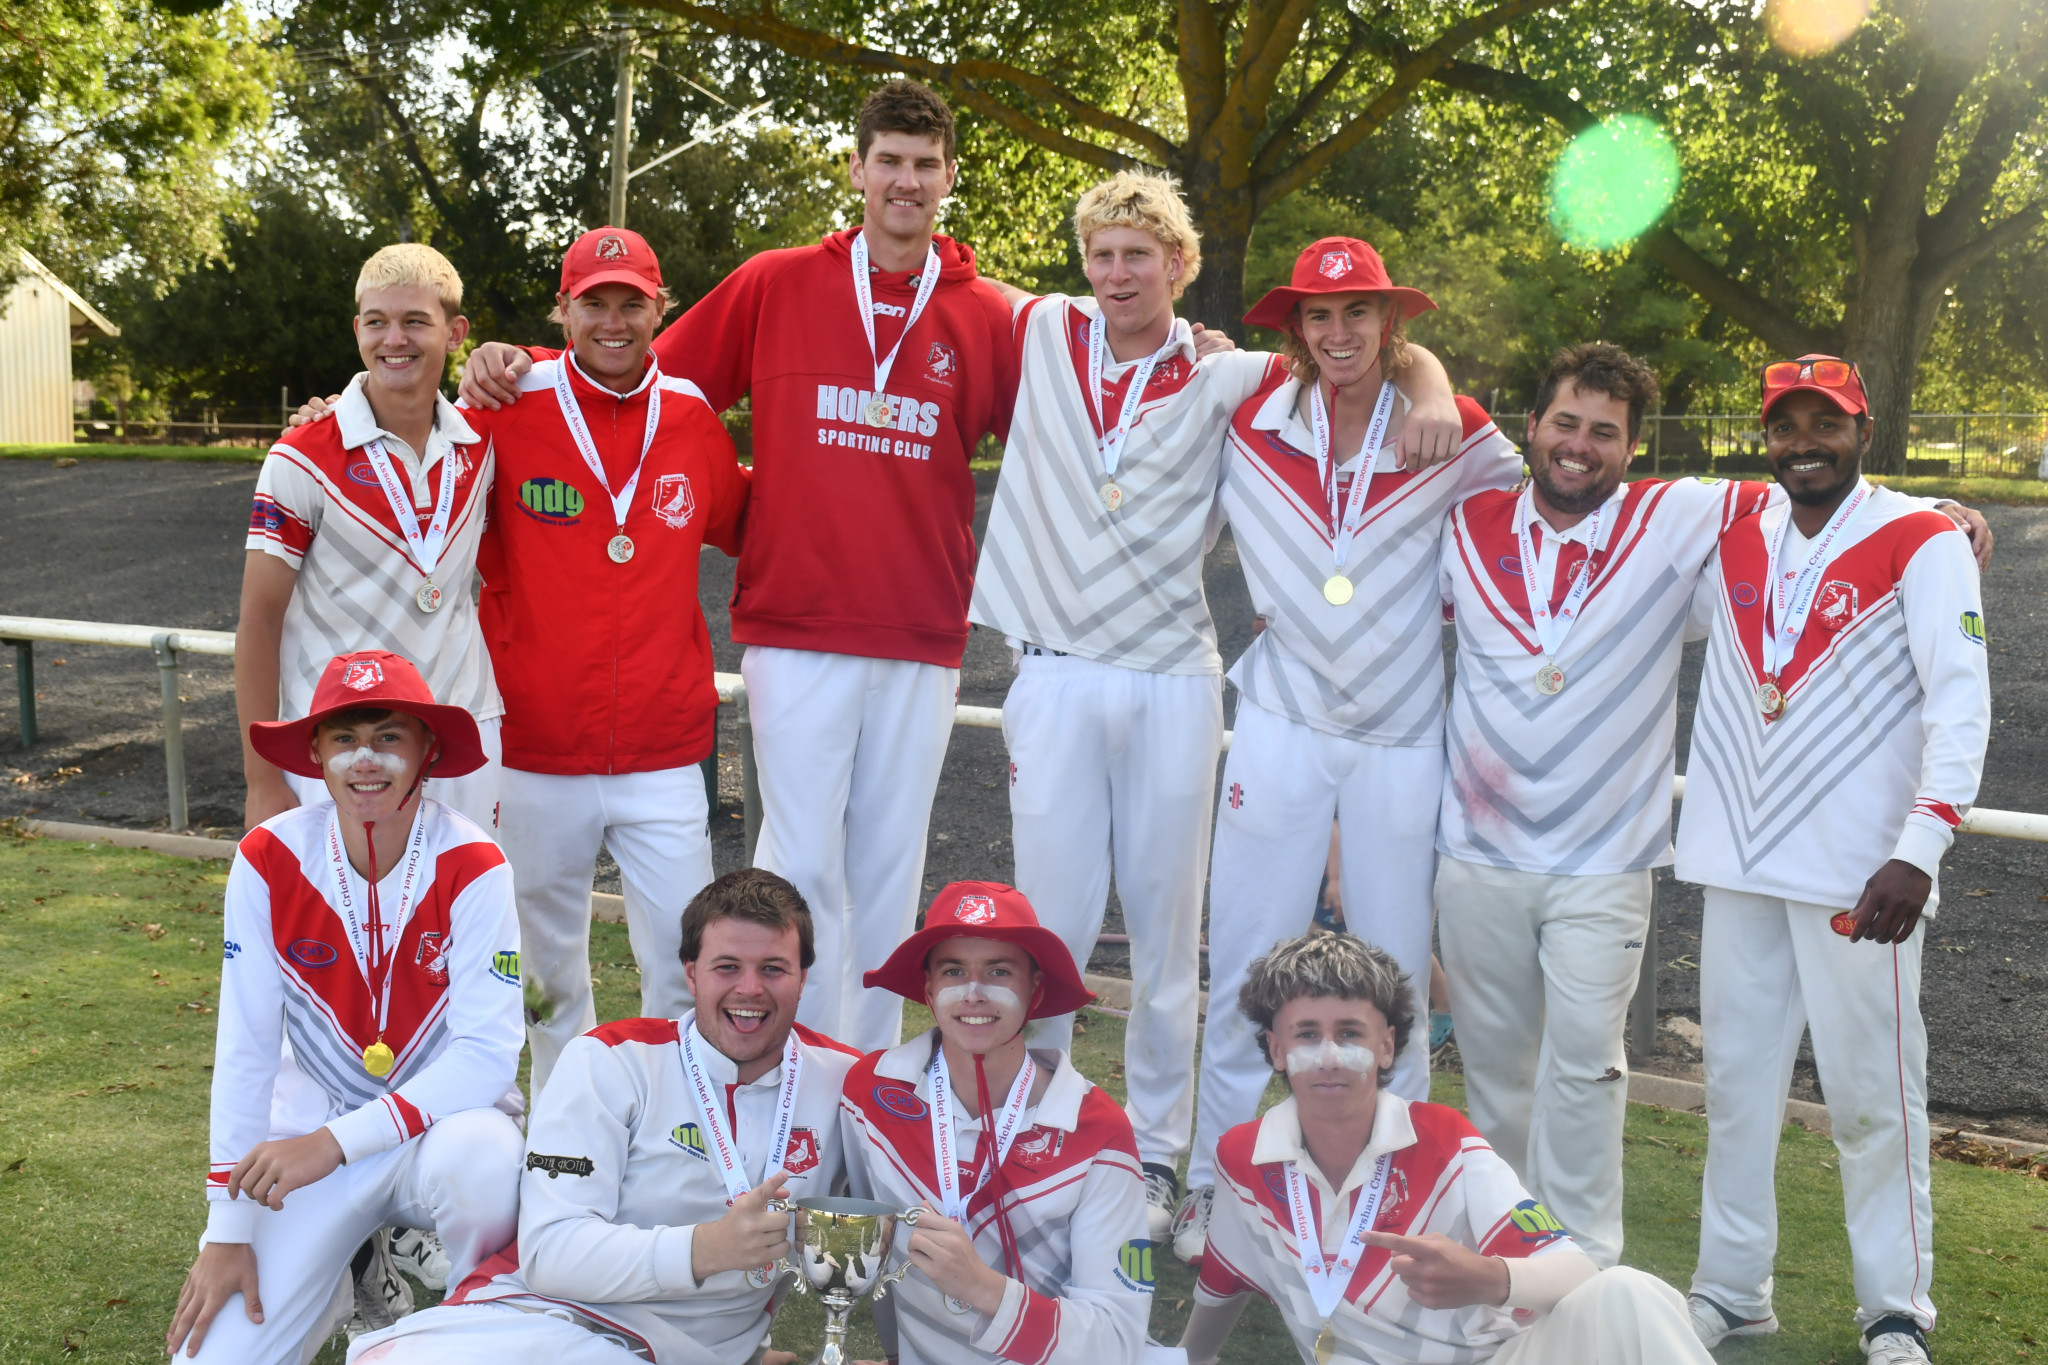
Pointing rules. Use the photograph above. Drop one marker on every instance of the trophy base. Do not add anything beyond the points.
(838, 1304)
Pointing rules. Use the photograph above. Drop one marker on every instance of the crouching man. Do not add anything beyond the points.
(1388, 1230)
(374, 932)
(1030, 1245)
(645, 1227)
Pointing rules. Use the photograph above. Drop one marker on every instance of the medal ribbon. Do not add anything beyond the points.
(1326, 1286)
(863, 292)
(368, 937)
(572, 413)
(1785, 612)
(942, 1133)
(1342, 531)
(732, 1167)
(1113, 438)
(1539, 576)
(426, 549)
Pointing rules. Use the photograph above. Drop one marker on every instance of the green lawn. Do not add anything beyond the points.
(85, 451)
(108, 971)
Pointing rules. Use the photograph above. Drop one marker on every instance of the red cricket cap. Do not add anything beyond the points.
(986, 910)
(1839, 379)
(1334, 265)
(610, 255)
(371, 679)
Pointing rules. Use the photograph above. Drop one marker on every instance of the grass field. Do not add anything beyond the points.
(82, 451)
(109, 963)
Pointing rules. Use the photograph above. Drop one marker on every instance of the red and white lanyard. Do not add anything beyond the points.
(426, 548)
(1792, 591)
(367, 935)
(1113, 438)
(572, 413)
(942, 1133)
(1539, 574)
(732, 1167)
(1326, 1284)
(864, 293)
(1343, 528)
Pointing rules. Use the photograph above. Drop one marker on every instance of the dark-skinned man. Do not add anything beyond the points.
(1840, 736)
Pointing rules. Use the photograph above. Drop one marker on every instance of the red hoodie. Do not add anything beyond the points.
(859, 541)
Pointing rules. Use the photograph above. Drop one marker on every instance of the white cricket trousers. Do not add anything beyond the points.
(460, 1178)
(550, 828)
(1622, 1316)
(1770, 969)
(1542, 967)
(849, 751)
(494, 1334)
(1115, 769)
(1282, 785)
(475, 794)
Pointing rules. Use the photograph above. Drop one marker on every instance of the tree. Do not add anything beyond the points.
(1246, 101)
(1832, 203)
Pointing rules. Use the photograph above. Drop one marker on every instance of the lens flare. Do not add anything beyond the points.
(1807, 28)
(1613, 182)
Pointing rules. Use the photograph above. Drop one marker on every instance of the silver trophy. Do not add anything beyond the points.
(842, 1245)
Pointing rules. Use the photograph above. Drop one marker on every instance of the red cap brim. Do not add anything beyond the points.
(1276, 310)
(289, 743)
(1064, 991)
(592, 281)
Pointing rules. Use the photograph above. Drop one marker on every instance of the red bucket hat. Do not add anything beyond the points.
(1833, 376)
(1334, 265)
(986, 910)
(610, 255)
(371, 678)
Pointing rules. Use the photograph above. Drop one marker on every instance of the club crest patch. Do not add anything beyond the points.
(1335, 265)
(690, 1138)
(431, 957)
(802, 1153)
(559, 1166)
(362, 674)
(1134, 1265)
(311, 953)
(901, 1101)
(673, 501)
(1834, 606)
(1973, 628)
(1036, 1146)
(941, 362)
(975, 910)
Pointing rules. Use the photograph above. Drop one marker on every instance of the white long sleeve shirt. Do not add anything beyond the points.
(620, 1174)
(1075, 1204)
(294, 970)
(1887, 710)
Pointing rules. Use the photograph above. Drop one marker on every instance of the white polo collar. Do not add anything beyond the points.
(1281, 414)
(1182, 334)
(720, 1068)
(1280, 1140)
(357, 423)
(1577, 532)
(1060, 1107)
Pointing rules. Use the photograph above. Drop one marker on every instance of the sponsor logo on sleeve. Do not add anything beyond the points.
(1536, 1223)
(1707, 481)
(1973, 628)
(673, 501)
(1134, 1265)
(559, 1166)
(901, 1101)
(230, 950)
(551, 502)
(690, 1138)
(311, 953)
(505, 965)
(802, 1153)
(362, 675)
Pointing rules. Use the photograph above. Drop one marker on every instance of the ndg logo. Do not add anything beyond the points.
(362, 675)
(505, 965)
(1336, 265)
(1973, 628)
(690, 1138)
(553, 501)
(1534, 1222)
(975, 910)
(1134, 1265)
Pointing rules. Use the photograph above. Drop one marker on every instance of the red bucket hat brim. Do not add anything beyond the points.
(1010, 920)
(1334, 265)
(398, 687)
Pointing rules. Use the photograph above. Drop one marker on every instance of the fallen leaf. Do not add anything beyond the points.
(1981, 891)
(117, 1303)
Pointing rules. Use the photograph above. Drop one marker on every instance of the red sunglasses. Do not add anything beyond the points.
(1830, 374)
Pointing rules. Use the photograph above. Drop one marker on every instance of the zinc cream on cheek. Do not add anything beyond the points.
(392, 764)
(1000, 996)
(1329, 1056)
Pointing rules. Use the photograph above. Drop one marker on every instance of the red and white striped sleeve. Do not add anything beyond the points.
(285, 514)
(247, 1046)
(1944, 610)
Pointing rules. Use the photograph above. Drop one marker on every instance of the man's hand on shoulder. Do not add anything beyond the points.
(490, 378)
(1208, 342)
(1974, 526)
(312, 410)
(1891, 904)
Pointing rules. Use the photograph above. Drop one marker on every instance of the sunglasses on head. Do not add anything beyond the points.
(1830, 374)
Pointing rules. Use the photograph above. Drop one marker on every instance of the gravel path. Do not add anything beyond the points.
(160, 544)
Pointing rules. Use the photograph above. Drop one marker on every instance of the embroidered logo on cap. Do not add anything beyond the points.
(611, 248)
(673, 501)
(1336, 264)
(975, 910)
(362, 675)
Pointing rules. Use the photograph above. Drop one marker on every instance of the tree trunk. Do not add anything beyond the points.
(1216, 298)
(1886, 328)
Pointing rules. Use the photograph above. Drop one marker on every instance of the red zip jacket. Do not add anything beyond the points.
(605, 668)
(859, 541)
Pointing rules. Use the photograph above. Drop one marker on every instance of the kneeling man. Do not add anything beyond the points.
(1388, 1230)
(374, 934)
(1030, 1245)
(645, 1226)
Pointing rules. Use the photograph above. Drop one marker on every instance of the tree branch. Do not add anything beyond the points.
(2008, 113)
(2011, 232)
(1743, 305)
(1201, 67)
(408, 137)
(1282, 135)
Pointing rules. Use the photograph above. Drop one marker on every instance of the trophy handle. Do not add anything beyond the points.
(781, 1265)
(908, 1218)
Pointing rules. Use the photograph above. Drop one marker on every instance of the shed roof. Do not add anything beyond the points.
(85, 319)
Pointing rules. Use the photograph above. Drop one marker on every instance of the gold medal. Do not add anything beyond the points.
(876, 413)
(428, 598)
(1112, 495)
(1326, 1345)
(1337, 590)
(1770, 701)
(620, 548)
(377, 1059)
(1550, 680)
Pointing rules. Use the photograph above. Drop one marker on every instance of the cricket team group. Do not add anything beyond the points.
(433, 769)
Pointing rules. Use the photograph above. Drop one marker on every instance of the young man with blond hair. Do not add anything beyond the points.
(1092, 570)
(364, 535)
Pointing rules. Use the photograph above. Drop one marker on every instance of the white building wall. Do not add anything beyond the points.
(35, 363)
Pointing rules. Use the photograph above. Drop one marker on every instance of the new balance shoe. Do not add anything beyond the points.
(1162, 1193)
(1191, 1224)
(1713, 1324)
(1896, 1340)
(419, 1253)
(382, 1295)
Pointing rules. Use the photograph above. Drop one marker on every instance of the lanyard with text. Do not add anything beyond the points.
(1791, 598)
(1539, 578)
(1113, 438)
(1338, 588)
(732, 1167)
(876, 413)
(1326, 1284)
(368, 934)
(942, 1133)
(620, 548)
(426, 548)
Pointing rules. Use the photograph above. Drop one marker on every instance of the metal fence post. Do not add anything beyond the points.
(174, 725)
(25, 688)
(1642, 1010)
(750, 780)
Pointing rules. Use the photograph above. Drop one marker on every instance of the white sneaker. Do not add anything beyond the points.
(382, 1295)
(1162, 1192)
(1895, 1340)
(1191, 1224)
(419, 1253)
(1713, 1324)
